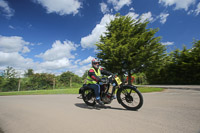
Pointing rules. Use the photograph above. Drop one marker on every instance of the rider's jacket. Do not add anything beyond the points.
(94, 76)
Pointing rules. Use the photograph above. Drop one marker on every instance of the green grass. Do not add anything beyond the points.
(149, 89)
(67, 91)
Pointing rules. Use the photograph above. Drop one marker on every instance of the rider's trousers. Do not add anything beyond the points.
(96, 88)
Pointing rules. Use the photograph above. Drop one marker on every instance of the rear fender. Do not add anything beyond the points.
(83, 88)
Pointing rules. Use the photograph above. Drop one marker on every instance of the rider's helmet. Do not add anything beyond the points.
(95, 63)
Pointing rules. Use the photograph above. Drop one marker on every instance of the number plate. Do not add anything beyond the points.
(118, 80)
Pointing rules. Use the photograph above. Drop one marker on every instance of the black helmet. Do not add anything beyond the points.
(95, 63)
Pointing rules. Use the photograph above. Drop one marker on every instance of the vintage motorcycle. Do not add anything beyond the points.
(127, 95)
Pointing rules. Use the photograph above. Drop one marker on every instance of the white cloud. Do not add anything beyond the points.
(91, 39)
(14, 59)
(10, 49)
(13, 44)
(61, 7)
(81, 70)
(133, 15)
(118, 4)
(7, 11)
(56, 64)
(59, 50)
(146, 16)
(167, 43)
(179, 4)
(11, 27)
(25, 49)
(197, 11)
(104, 8)
(163, 17)
(86, 61)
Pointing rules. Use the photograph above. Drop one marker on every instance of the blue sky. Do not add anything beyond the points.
(55, 36)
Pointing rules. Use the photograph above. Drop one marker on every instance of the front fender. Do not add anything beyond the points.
(121, 88)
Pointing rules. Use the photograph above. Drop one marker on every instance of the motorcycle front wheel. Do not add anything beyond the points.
(88, 96)
(130, 98)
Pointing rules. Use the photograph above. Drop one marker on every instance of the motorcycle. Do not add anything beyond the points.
(127, 95)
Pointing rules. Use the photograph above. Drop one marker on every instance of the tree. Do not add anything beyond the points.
(10, 72)
(41, 81)
(129, 46)
(29, 73)
(67, 77)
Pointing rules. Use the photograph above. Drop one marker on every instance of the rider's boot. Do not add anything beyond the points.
(100, 102)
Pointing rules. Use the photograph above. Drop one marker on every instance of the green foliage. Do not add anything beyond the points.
(180, 67)
(38, 81)
(140, 78)
(10, 84)
(67, 77)
(41, 81)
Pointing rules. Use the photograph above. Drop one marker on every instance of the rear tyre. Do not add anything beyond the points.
(88, 96)
(130, 98)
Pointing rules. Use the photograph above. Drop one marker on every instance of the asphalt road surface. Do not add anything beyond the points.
(170, 111)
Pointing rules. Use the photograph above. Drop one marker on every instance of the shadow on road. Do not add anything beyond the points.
(97, 107)
(1, 131)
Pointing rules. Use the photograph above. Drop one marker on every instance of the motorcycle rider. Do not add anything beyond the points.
(94, 78)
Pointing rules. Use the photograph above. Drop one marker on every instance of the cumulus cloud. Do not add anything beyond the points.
(56, 64)
(14, 59)
(91, 39)
(13, 44)
(61, 7)
(118, 4)
(179, 4)
(11, 50)
(59, 50)
(6, 10)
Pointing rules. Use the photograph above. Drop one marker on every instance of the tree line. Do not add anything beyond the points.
(179, 67)
(10, 81)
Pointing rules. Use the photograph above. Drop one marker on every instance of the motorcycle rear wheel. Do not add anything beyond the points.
(88, 96)
(130, 98)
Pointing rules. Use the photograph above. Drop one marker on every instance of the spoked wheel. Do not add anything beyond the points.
(88, 96)
(130, 98)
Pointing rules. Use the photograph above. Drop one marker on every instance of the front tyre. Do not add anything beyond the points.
(88, 96)
(130, 98)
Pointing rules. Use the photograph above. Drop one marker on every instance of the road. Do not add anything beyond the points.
(170, 111)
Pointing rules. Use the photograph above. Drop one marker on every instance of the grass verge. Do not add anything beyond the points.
(67, 91)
